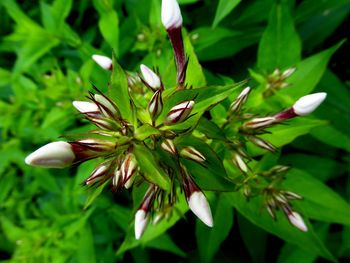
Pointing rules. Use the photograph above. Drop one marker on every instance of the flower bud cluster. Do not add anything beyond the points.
(116, 140)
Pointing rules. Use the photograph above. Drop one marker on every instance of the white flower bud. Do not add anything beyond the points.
(85, 106)
(198, 204)
(240, 100)
(296, 220)
(193, 154)
(258, 123)
(179, 112)
(155, 105)
(150, 77)
(288, 72)
(53, 155)
(128, 169)
(98, 173)
(141, 222)
(103, 61)
(171, 14)
(239, 162)
(105, 103)
(307, 104)
(168, 145)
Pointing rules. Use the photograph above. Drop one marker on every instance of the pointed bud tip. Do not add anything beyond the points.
(141, 222)
(200, 207)
(296, 220)
(85, 106)
(53, 155)
(307, 104)
(171, 14)
(103, 61)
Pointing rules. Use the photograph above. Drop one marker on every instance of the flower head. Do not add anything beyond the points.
(171, 14)
(103, 61)
(307, 104)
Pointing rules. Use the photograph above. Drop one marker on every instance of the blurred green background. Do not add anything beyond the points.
(45, 64)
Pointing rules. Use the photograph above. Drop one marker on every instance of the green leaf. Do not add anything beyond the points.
(255, 213)
(223, 9)
(109, 27)
(205, 98)
(308, 74)
(93, 193)
(210, 239)
(148, 165)
(119, 91)
(280, 46)
(165, 243)
(320, 202)
(210, 175)
(194, 77)
(145, 131)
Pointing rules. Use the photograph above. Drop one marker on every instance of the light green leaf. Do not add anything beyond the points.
(119, 91)
(148, 165)
(145, 131)
(109, 27)
(224, 8)
(279, 36)
(308, 74)
(165, 243)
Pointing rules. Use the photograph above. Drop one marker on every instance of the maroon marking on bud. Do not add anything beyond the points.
(148, 198)
(155, 106)
(176, 40)
(285, 115)
(85, 149)
(188, 183)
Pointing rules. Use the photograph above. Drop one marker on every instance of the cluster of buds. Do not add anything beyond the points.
(277, 199)
(115, 140)
(277, 80)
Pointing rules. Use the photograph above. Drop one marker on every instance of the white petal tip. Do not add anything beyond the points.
(85, 106)
(307, 104)
(141, 222)
(103, 61)
(297, 221)
(200, 207)
(52, 155)
(171, 14)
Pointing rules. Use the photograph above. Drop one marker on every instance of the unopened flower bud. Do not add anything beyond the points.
(98, 174)
(307, 104)
(150, 78)
(141, 222)
(191, 153)
(262, 143)
(258, 123)
(198, 204)
(53, 155)
(117, 178)
(85, 106)
(240, 100)
(155, 105)
(288, 72)
(239, 162)
(179, 112)
(103, 61)
(291, 195)
(171, 14)
(168, 145)
(172, 21)
(106, 106)
(128, 169)
(296, 220)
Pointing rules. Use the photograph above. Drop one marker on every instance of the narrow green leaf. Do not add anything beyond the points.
(224, 8)
(119, 92)
(210, 239)
(148, 165)
(165, 243)
(308, 74)
(145, 131)
(109, 27)
(93, 193)
(279, 36)
(320, 202)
